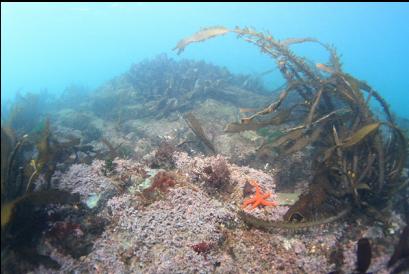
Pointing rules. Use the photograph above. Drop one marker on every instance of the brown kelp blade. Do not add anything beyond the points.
(245, 110)
(239, 127)
(8, 143)
(402, 248)
(200, 36)
(6, 211)
(38, 198)
(304, 141)
(197, 129)
(334, 102)
(313, 108)
(292, 135)
(253, 125)
(361, 134)
(292, 41)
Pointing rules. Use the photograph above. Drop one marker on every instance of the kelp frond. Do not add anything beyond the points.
(200, 36)
(197, 129)
(19, 171)
(360, 135)
(39, 198)
(361, 157)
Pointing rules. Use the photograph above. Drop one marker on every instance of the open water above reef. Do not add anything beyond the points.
(51, 46)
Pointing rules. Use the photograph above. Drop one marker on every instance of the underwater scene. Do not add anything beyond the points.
(204, 138)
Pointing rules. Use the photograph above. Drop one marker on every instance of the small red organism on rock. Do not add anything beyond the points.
(217, 174)
(202, 247)
(160, 184)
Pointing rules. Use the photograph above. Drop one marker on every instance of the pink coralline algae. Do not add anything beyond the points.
(189, 230)
(84, 179)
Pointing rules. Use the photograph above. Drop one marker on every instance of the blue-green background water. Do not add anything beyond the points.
(50, 46)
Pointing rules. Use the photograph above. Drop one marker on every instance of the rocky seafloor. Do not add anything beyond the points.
(159, 236)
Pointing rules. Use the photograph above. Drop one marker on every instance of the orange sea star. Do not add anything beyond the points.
(259, 198)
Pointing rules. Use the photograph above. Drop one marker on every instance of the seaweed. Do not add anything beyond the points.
(200, 36)
(401, 253)
(164, 156)
(277, 119)
(109, 167)
(113, 151)
(197, 129)
(22, 209)
(217, 174)
(360, 156)
(269, 226)
(50, 151)
(25, 113)
(162, 87)
(360, 135)
(160, 184)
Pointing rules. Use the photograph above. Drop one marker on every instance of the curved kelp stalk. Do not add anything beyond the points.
(360, 157)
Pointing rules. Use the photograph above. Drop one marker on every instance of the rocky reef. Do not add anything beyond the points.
(184, 167)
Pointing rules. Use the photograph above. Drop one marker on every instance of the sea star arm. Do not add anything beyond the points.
(249, 201)
(260, 199)
(256, 204)
(256, 186)
(268, 203)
